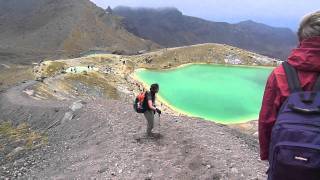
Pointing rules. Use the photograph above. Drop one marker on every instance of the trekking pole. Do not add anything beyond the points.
(159, 125)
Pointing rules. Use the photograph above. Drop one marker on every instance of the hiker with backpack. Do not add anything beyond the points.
(289, 120)
(145, 103)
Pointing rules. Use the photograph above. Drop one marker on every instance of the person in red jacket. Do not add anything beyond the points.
(306, 60)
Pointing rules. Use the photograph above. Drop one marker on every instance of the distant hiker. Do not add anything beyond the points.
(109, 10)
(145, 103)
(289, 121)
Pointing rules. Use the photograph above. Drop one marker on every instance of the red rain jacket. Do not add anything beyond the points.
(306, 59)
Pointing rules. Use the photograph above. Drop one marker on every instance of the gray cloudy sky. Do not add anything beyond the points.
(283, 13)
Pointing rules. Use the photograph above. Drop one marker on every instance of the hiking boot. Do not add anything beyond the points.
(153, 135)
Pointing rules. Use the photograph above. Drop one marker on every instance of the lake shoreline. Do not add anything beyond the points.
(178, 111)
(190, 64)
(249, 127)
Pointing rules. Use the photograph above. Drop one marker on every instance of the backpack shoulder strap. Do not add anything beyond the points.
(145, 96)
(317, 84)
(292, 77)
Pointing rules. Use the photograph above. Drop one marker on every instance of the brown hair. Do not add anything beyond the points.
(309, 26)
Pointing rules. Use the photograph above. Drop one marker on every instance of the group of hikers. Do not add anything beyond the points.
(289, 120)
(75, 70)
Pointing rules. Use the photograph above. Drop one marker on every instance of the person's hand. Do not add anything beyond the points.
(158, 111)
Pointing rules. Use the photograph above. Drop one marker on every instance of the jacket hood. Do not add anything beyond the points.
(306, 56)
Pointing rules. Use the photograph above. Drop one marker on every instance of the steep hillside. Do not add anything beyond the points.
(32, 29)
(169, 27)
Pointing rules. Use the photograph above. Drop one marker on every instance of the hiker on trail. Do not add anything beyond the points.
(151, 109)
(292, 94)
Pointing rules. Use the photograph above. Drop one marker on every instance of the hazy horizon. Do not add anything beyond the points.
(283, 13)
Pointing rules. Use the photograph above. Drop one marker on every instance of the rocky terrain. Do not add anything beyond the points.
(169, 28)
(105, 140)
(82, 125)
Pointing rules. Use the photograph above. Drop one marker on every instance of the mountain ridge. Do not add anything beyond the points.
(169, 27)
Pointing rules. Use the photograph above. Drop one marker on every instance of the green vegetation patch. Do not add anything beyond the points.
(23, 134)
(53, 67)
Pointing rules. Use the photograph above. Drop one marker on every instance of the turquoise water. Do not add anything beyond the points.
(224, 94)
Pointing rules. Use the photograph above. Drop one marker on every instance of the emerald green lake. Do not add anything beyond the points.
(224, 94)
